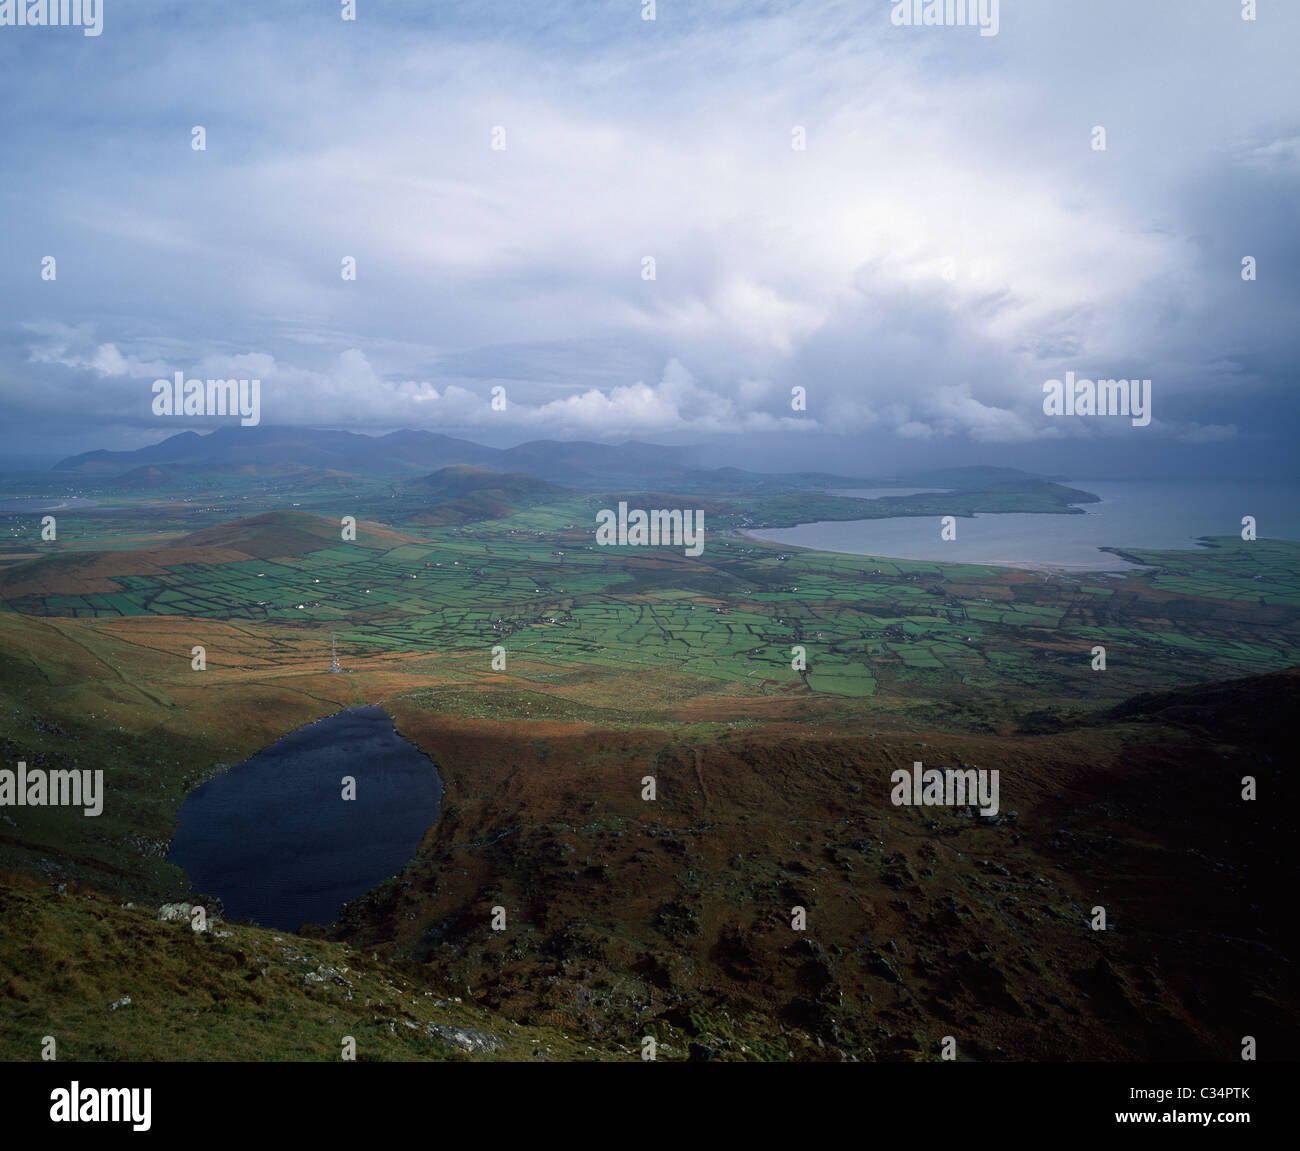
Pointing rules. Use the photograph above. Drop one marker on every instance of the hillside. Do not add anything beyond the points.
(269, 446)
(288, 533)
(463, 494)
(671, 917)
(921, 922)
(70, 959)
(270, 535)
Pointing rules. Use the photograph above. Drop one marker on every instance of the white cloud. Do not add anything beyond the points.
(823, 268)
(1209, 433)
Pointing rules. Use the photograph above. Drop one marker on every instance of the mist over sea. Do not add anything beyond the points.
(1161, 514)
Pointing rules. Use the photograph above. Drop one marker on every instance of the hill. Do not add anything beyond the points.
(269, 446)
(465, 494)
(277, 534)
(111, 981)
(672, 917)
(270, 535)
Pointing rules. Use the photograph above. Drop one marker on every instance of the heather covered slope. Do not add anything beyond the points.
(921, 921)
(672, 917)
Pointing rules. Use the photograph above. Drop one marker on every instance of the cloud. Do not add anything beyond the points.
(914, 430)
(958, 410)
(1209, 434)
(947, 240)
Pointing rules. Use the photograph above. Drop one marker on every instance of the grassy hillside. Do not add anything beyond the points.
(68, 954)
(463, 494)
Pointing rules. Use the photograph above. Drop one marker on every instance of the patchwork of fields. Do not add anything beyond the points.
(536, 583)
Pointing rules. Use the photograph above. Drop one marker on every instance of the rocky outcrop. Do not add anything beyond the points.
(463, 1038)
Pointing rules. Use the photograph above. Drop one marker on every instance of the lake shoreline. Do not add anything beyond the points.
(1128, 520)
(1129, 567)
(311, 822)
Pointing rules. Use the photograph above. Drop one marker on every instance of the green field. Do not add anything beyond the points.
(537, 583)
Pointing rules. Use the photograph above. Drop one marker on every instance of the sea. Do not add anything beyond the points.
(1149, 514)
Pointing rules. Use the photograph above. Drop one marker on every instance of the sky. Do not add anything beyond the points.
(948, 238)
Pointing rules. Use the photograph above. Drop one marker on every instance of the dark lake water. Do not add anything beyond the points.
(275, 840)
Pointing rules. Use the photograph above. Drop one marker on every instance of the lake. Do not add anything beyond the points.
(1132, 513)
(275, 840)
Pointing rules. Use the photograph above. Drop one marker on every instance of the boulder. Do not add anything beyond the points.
(463, 1038)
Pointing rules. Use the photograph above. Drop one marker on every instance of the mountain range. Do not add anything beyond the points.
(407, 453)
